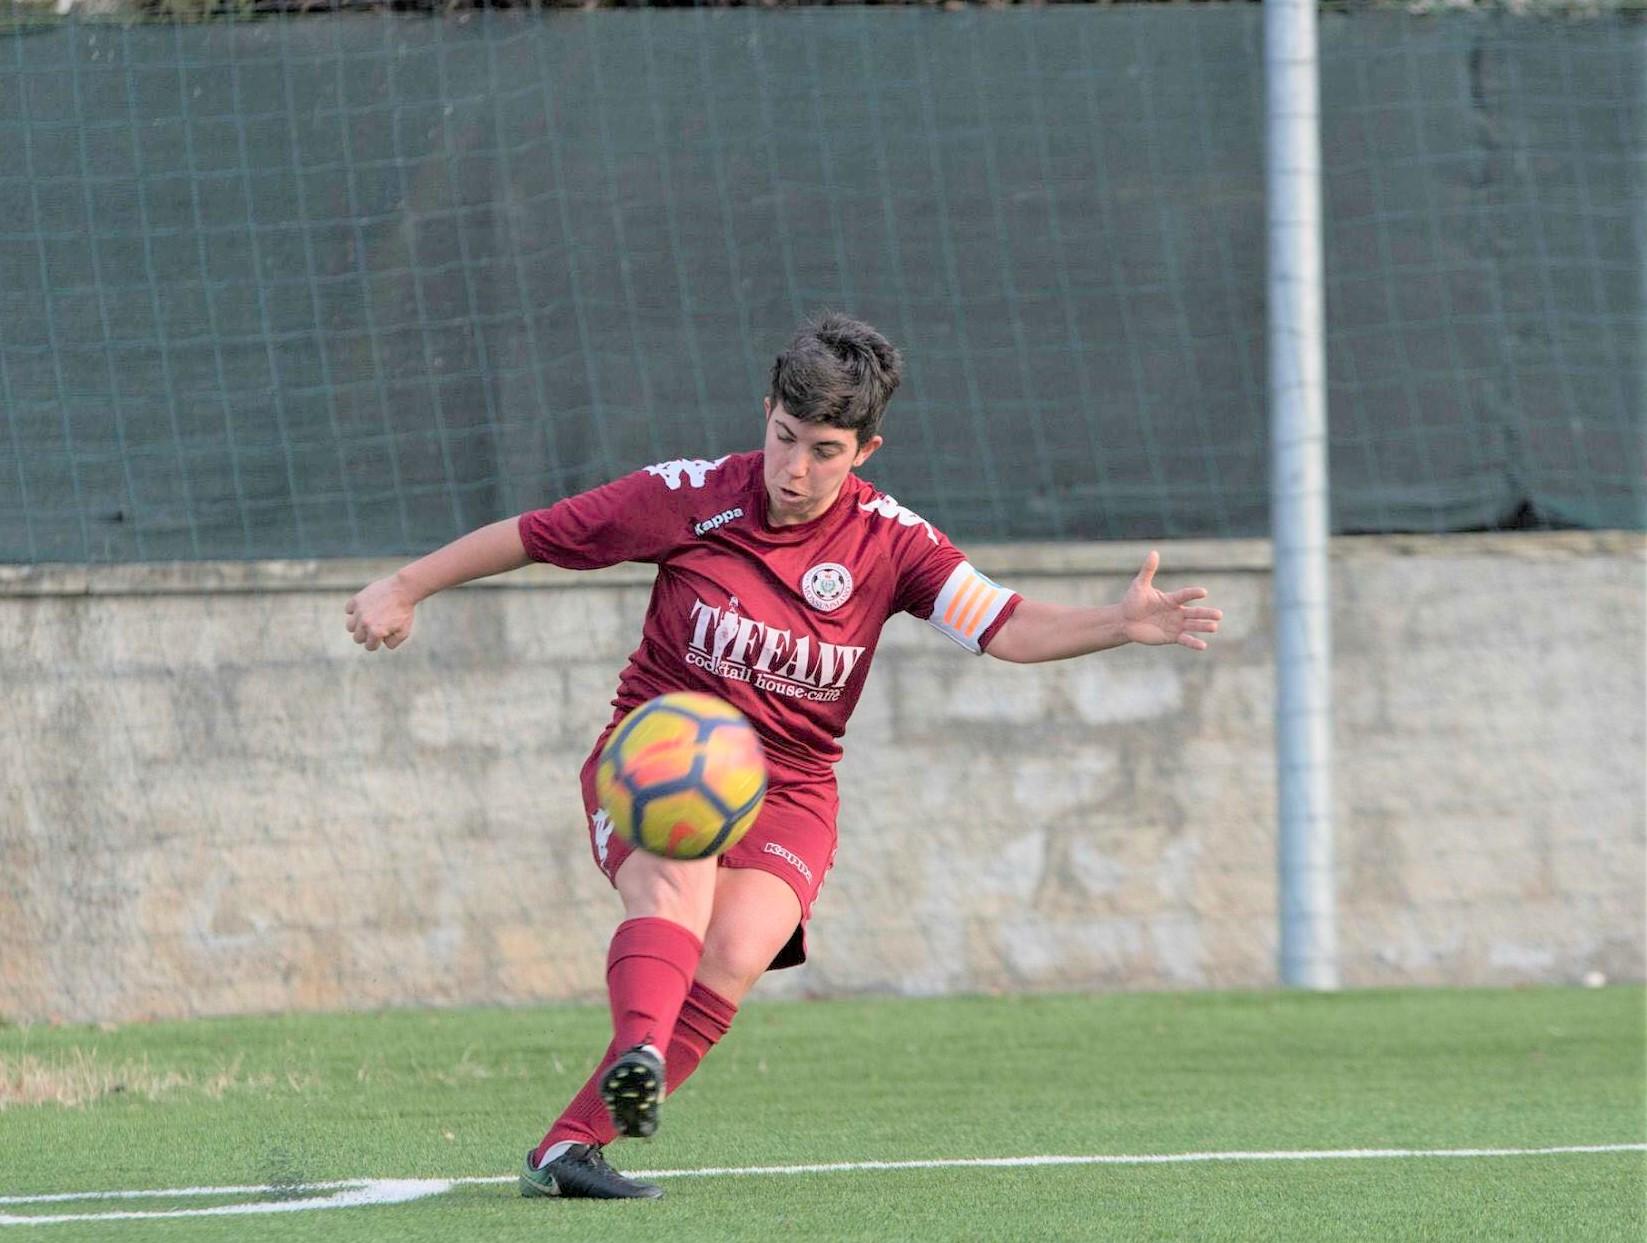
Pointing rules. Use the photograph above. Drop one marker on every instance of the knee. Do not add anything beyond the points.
(679, 891)
(731, 966)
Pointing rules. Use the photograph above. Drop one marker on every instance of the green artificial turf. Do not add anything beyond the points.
(281, 1102)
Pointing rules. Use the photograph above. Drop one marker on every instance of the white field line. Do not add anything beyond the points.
(1163, 1158)
(185, 1193)
(348, 1193)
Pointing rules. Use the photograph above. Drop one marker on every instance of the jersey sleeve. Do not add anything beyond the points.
(940, 586)
(636, 518)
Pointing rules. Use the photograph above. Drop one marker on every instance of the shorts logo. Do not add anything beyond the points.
(827, 586)
(789, 857)
(719, 520)
(603, 833)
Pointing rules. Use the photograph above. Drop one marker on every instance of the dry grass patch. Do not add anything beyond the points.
(79, 1077)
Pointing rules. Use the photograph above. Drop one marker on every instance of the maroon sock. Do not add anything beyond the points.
(584, 1120)
(648, 971)
(704, 1019)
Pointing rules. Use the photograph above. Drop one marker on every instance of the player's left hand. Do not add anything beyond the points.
(1152, 616)
(380, 614)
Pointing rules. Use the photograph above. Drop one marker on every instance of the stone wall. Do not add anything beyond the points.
(213, 802)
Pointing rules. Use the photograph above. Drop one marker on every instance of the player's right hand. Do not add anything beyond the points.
(380, 614)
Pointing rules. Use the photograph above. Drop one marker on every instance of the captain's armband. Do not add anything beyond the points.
(967, 605)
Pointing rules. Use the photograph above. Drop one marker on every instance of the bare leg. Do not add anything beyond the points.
(754, 914)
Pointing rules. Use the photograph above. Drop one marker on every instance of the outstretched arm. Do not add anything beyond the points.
(1038, 631)
(381, 613)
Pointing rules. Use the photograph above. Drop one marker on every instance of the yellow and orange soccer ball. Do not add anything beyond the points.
(682, 776)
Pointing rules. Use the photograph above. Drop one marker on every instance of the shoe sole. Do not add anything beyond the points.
(631, 1090)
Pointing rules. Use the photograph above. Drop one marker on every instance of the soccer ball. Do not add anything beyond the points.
(682, 776)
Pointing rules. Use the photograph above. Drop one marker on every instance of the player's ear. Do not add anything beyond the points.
(767, 402)
(869, 446)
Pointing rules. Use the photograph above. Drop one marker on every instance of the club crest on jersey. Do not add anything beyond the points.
(827, 586)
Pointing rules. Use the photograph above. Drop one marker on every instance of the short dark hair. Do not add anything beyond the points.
(838, 371)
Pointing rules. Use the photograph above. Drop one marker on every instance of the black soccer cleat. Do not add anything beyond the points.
(632, 1088)
(581, 1173)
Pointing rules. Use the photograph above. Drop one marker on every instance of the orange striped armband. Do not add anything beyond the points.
(966, 606)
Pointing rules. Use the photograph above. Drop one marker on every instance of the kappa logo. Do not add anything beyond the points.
(694, 469)
(887, 507)
(827, 586)
(719, 520)
(744, 649)
(789, 857)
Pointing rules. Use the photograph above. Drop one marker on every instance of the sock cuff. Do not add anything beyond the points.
(707, 1002)
(652, 937)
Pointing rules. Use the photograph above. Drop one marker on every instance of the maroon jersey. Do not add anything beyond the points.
(781, 622)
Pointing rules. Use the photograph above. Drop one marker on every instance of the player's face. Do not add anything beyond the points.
(806, 464)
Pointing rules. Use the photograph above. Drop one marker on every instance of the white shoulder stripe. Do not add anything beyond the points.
(966, 606)
(888, 507)
(696, 469)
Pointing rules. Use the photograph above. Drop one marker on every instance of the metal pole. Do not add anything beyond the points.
(1298, 496)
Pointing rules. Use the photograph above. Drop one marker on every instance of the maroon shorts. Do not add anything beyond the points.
(793, 838)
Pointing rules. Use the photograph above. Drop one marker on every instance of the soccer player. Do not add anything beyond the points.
(776, 571)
